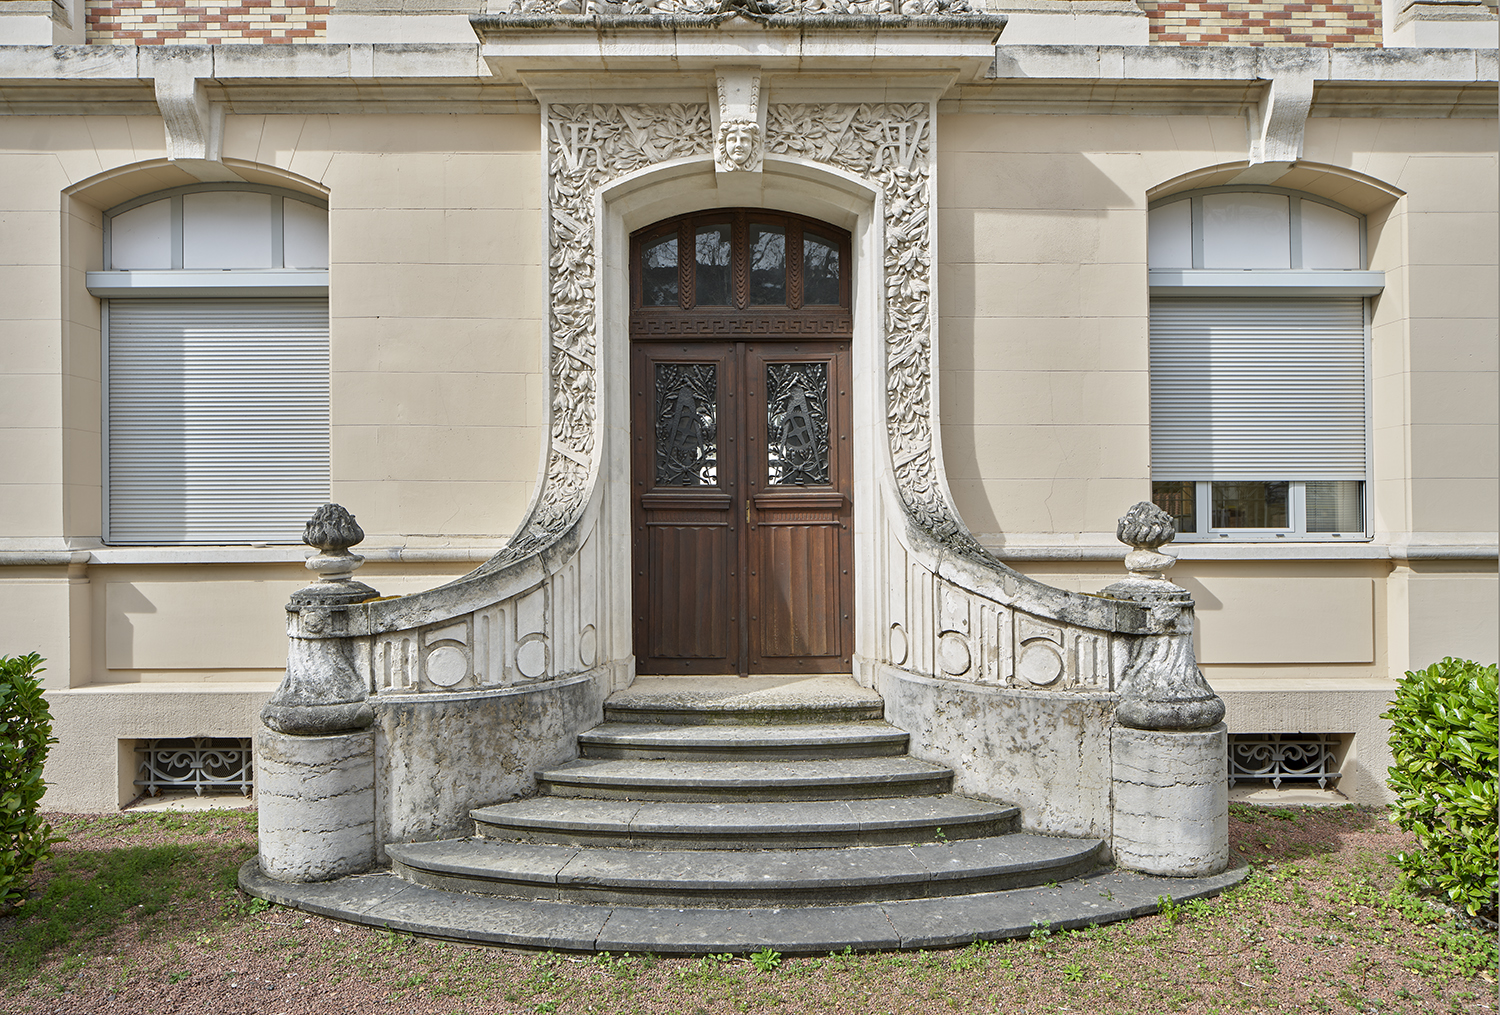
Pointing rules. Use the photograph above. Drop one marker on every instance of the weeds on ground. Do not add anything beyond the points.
(1324, 923)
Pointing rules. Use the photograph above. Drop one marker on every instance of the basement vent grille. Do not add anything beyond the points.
(202, 764)
(1277, 757)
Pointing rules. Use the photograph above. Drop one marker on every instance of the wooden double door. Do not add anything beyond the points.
(742, 459)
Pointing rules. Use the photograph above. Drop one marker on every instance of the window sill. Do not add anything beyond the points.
(1257, 282)
(268, 282)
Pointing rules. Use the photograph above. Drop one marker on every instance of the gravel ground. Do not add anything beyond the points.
(139, 915)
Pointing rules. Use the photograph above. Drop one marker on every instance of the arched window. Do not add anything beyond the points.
(216, 365)
(1259, 365)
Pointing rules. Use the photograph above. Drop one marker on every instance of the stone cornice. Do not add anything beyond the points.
(961, 44)
(254, 79)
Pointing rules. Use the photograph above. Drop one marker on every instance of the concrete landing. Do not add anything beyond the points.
(699, 700)
(384, 900)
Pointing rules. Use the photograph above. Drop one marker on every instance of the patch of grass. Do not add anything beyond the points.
(85, 896)
(1324, 923)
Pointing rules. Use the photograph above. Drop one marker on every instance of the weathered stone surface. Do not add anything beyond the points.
(1047, 752)
(1171, 800)
(317, 804)
(322, 692)
(443, 754)
(386, 901)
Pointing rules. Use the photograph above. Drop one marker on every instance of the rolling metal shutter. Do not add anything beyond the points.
(1258, 389)
(218, 421)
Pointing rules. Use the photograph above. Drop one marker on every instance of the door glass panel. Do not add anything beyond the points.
(713, 265)
(797, 424)
(659, 273)
(820, 272)
(687, 424)
(767, 265)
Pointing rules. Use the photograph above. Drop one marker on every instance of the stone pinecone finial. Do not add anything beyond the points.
(333, 530)
(1146, 528)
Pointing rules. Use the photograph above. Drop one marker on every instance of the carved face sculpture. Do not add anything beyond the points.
(740, 138)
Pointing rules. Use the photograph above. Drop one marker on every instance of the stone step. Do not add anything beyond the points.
(726, 879)
(652, 741)
(827, 779)
(386, 901)
(713, 701)
(794, 824)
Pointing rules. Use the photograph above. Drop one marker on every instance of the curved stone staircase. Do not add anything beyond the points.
(727, 819)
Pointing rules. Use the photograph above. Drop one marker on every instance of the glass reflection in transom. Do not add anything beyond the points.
(712, 246)
(820, 271)
(767, 265)
(659, 273)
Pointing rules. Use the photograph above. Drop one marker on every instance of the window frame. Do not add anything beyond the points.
(1295, 282)
(206, 284)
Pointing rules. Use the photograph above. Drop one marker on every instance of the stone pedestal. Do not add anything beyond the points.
(317, 804)
(1171, 800)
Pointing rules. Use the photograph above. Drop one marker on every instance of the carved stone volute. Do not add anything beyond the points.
(1161, 687)
(323, 692)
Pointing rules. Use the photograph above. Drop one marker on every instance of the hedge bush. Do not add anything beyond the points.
(1443, 738)
(25, 736)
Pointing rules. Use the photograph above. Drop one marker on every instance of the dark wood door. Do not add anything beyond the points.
(742, 459)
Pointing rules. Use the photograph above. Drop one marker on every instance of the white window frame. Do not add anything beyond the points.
(178, 282)
(1293, 282)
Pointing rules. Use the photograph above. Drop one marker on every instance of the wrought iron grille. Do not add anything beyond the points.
(1281, 756)
(212, 764)
(687, 424)
(797, 424)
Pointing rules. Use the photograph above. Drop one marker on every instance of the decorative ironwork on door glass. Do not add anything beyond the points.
(687, 424)
(797, 424)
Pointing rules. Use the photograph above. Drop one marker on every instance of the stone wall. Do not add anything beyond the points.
(1241, 23)
(165, 22)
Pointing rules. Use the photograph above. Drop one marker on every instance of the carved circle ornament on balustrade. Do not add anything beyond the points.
(590, 145)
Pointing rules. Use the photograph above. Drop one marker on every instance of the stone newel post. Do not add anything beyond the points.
(316, 758)
(1169, 746)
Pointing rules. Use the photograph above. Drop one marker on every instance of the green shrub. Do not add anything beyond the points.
(1443, 738)
(25, 735)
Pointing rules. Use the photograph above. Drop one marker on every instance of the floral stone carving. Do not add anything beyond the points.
(590, 144)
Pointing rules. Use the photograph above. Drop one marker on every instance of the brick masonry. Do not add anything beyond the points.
(1248, 23)
(164, 22)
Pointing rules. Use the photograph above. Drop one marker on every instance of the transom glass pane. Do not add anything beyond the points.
(767, 265)
(1250, 506)
(797, 424)
(713, 266)
(659, 273)
(142, 237)
(1246, 231)
(226, 229)
(820, 272)
(687, 424)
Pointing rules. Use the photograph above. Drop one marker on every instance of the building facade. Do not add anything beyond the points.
(1013, 269)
